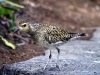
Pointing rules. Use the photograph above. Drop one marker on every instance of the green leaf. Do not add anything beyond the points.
(11, 25)
(5, 11)
(14, 4)
(12, 20)
(8, 43)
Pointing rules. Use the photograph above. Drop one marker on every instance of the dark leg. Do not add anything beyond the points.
(48, 60)
(57, 64)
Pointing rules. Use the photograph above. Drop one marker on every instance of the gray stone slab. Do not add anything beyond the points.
(76, 58)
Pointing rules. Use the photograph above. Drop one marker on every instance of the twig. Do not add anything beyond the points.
(13, 34)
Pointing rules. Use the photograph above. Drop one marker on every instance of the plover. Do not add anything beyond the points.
(48, 36)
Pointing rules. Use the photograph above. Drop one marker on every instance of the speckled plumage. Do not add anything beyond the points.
(47, 35)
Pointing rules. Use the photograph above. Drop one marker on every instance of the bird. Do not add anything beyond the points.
(47, 35)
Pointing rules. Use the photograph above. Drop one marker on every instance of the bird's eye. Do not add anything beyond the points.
(24, 25)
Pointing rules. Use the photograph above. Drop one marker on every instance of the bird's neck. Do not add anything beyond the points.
(31, 30)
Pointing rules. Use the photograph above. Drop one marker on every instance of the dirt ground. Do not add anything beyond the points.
(71, 15)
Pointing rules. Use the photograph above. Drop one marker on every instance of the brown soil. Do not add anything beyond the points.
(71, 15)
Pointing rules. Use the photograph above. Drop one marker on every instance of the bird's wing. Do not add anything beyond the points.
(55, 34)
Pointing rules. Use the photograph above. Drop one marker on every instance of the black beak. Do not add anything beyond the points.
(16, 30)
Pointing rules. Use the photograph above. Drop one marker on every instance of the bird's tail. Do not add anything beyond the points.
(81, 34)
(76, 35)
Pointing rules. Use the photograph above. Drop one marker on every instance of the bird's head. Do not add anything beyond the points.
(25, 26)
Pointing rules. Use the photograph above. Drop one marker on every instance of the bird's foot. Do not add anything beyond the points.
(57, 67)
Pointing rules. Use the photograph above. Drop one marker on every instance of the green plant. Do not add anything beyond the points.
(7, 42)
(9, 12)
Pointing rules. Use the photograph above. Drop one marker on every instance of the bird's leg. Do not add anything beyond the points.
(48, 60)
(57, 64)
